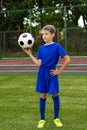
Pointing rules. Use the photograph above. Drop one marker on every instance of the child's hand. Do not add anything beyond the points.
(27, 51)
(55, 72)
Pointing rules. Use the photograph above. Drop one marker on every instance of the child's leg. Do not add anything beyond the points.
(42, 106)
(56, 100)
(56, 105)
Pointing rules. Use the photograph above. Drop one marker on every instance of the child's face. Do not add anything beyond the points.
(47, 36)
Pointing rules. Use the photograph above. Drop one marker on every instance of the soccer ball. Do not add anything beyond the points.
(25, 40)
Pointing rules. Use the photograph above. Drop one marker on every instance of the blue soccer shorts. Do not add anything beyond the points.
(47, 83)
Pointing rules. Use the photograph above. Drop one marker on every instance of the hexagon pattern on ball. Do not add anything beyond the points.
(26, 40)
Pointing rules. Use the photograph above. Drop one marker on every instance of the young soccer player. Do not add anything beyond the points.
(47, 79)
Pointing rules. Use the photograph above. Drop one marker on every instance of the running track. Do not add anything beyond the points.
(27, 66)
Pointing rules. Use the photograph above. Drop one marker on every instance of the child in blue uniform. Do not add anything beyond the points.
(47, 79)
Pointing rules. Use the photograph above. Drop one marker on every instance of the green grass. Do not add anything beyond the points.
(19, 103)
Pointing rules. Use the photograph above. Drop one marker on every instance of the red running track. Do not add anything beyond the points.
(26, 66)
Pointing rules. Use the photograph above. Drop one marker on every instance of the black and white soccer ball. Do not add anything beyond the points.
(26, 40)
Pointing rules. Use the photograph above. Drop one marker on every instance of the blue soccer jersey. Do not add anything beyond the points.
(49, 55)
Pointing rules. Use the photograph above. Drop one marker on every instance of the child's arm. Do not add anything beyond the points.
(65, 64)
(36, 61)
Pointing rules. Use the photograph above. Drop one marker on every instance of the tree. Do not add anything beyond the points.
(41, 12)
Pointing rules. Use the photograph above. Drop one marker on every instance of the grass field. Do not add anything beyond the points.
(19, 108)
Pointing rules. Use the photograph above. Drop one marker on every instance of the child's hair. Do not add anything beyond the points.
(50, 28)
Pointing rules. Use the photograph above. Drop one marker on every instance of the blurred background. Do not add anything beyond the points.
(68, 16)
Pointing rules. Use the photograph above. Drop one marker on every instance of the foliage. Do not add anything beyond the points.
(41, 12)
(62, 14)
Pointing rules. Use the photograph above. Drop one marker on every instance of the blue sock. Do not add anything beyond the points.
(42, 108)
(56, 106)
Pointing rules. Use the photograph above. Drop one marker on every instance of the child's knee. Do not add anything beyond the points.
(43, 95)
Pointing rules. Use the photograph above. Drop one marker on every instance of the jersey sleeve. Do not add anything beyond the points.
(61, 51)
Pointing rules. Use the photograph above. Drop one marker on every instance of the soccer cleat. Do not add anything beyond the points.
(41, 123)
(58, 123)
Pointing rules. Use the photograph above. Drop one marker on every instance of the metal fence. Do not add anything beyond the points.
(76, 42)
(73, 39)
